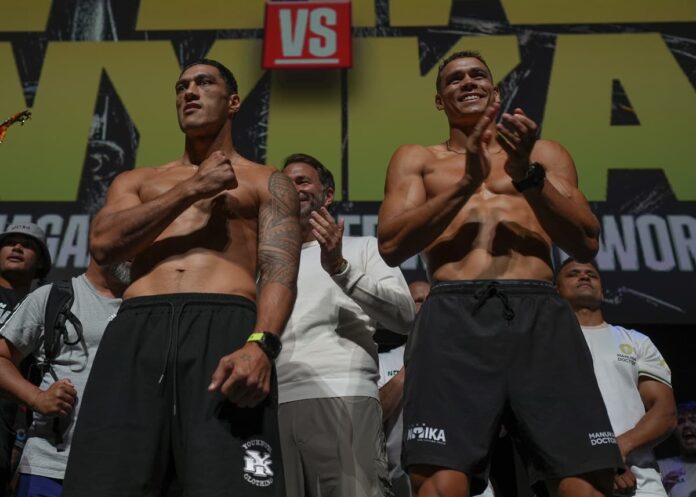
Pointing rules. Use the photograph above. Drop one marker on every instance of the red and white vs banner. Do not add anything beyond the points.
(304, 35)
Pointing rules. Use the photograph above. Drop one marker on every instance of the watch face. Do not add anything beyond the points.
(271, 344)
(537, 172)
(535, 178)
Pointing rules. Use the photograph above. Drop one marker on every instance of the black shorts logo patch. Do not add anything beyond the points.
(422, 433)
(258, 463)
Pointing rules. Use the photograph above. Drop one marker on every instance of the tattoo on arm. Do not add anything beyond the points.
(279, 234)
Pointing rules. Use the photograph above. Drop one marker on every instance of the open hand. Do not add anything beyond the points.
(329, 234)
(517, 134)
(478, 159)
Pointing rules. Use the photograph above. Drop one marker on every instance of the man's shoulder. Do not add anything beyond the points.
(140, 174)
(411, 154)
(634, 335)
(258, 175)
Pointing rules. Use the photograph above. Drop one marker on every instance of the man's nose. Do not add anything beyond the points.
(468, 82)
(191, 91)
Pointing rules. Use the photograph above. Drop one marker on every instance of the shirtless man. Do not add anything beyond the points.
(178, 399)
(483, 208)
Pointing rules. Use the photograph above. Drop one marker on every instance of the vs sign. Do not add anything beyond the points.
(304, 35)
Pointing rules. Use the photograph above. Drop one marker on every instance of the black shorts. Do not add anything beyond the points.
(148, 425)
(489, 352)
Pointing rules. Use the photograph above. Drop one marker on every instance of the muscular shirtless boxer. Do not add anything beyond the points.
(483, 208)
(178, 400)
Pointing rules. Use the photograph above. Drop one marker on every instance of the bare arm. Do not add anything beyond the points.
(659, 420)
(127, 225)
(244, 376)
(279, 253)
(57, 400)
(559, 206)
(391, 393)
(408, 222)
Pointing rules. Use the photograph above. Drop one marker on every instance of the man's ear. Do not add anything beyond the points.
(438, 102)
(234, 104)
(328, 197)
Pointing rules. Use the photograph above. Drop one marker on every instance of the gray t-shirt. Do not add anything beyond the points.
(25, 330)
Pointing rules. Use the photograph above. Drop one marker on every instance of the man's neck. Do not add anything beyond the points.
(589, 317)
(459, 134)
(197, 149)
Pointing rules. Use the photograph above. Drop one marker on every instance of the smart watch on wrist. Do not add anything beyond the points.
(269, 343)
(536, 174)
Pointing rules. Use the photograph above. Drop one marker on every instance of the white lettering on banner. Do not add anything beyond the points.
(319, 21)
(661, 244)
(67, 237)
(293, 35)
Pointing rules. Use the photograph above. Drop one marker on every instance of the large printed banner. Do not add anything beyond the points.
(613, 81)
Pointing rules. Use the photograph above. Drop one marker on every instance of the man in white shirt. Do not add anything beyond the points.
(634, 379)
(329, 415)
(679, 473)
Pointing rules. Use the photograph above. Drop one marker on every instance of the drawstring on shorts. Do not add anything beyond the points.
(482, 295)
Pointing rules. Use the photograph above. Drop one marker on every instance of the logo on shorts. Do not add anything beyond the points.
(257, 463)
(602, 437)
(422, 433)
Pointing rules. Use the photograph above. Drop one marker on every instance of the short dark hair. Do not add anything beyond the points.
(462, 54)
(325, 176)
(568, 260)
(230, 80)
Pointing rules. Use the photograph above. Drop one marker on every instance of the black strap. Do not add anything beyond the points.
(60, 300)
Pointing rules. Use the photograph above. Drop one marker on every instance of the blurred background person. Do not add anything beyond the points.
(679, 472)
(24, 257)
(632, 375)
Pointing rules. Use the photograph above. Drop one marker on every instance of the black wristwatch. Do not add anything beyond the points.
(269, 343)
(534, 179)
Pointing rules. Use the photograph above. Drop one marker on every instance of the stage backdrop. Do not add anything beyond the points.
(612, 80)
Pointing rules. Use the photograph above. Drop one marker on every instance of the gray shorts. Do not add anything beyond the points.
(334, 447)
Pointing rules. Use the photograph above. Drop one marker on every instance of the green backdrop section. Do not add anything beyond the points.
(390, 103)
(578, 109)
(598, 11)
(25, 15)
